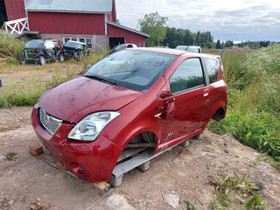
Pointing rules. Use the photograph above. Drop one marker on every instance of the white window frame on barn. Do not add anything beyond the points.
(87, 41)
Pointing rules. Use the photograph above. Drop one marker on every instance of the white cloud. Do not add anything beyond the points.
(227, 20)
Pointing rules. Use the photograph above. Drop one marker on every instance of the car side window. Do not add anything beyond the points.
(188, 75)
(49, 45)
(212, 69)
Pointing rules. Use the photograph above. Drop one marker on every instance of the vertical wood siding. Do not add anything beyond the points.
(15, 9)
(67, 23)
(128, 36)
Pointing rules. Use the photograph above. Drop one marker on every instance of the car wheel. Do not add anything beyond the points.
(42, 60)
(80, 56)
(61, 58)
(21, 59)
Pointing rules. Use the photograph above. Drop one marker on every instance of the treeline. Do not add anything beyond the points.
(175, 37)
(250, 44)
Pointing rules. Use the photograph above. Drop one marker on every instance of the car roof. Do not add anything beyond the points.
(191, 46)
(76, 42)
(168, 51)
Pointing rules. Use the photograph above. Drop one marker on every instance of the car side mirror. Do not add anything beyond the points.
(88, 66)
(164, 94)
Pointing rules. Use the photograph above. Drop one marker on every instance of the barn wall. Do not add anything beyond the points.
(67, 23)
(128, 36)
(15, 9)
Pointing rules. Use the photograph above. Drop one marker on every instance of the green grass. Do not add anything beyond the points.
(253, 115)
(24, 84)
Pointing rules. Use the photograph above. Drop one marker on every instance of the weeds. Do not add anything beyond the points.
(10, 48)
(234, 188)
(11, 156)
(266, 159)
(253, 114)
(190, 206)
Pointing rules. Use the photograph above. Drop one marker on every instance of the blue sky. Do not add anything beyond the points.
(238, 20)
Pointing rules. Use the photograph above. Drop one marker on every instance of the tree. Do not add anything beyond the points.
(154, 25)
(218, 45)
(228, 43)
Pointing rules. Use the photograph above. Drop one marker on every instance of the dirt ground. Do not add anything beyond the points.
(28, 182)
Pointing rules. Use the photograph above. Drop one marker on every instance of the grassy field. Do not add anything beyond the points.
(24, 84)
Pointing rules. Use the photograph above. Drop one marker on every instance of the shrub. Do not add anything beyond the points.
(10, 47)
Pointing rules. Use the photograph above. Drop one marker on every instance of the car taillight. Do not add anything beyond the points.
(34, 51)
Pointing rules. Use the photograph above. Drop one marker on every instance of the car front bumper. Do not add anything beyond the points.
(90, 161)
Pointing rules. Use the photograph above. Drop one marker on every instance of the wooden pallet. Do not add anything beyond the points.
(129, 159)
(38, 152)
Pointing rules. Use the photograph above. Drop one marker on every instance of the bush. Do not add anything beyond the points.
(10, 47)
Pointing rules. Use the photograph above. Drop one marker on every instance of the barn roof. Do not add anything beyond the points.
(129, 29)
(72, 6)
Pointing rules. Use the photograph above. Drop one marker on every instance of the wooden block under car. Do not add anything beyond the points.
(36, 150)
(60, 165)
(103, 186)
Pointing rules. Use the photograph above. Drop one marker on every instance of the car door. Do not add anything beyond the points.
(188, 87)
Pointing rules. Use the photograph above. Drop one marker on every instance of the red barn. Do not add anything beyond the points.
(92, 22)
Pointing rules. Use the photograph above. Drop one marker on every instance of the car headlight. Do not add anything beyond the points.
(89, 128)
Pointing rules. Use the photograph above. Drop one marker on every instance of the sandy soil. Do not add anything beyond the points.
(28, 182)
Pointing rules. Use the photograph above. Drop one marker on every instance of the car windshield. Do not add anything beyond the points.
(74, 45)
(35, 44)
(136, 70)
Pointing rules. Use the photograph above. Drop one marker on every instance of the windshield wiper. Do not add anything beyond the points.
(100, 79)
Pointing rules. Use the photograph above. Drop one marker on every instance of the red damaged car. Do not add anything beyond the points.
(145, 98)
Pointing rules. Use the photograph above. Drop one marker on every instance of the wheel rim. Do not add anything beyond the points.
(42, 61)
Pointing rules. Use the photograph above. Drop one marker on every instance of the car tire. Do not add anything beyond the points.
(21, 59)
(61, 58)
(80, 56)
(42, 60)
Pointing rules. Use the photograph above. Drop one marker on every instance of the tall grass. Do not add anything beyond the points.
(10, 47)
(253, 115)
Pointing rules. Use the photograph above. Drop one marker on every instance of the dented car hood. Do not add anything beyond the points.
(76, 98)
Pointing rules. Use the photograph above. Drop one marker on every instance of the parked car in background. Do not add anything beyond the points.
(75, 49)
(195, 49)
(123, 46)
(40, 51)
(148, 99)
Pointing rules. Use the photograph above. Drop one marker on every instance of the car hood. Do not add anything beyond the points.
(76, 98)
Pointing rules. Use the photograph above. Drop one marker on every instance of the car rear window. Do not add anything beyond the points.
(74, 45)
(35, 44)
(136, 70)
